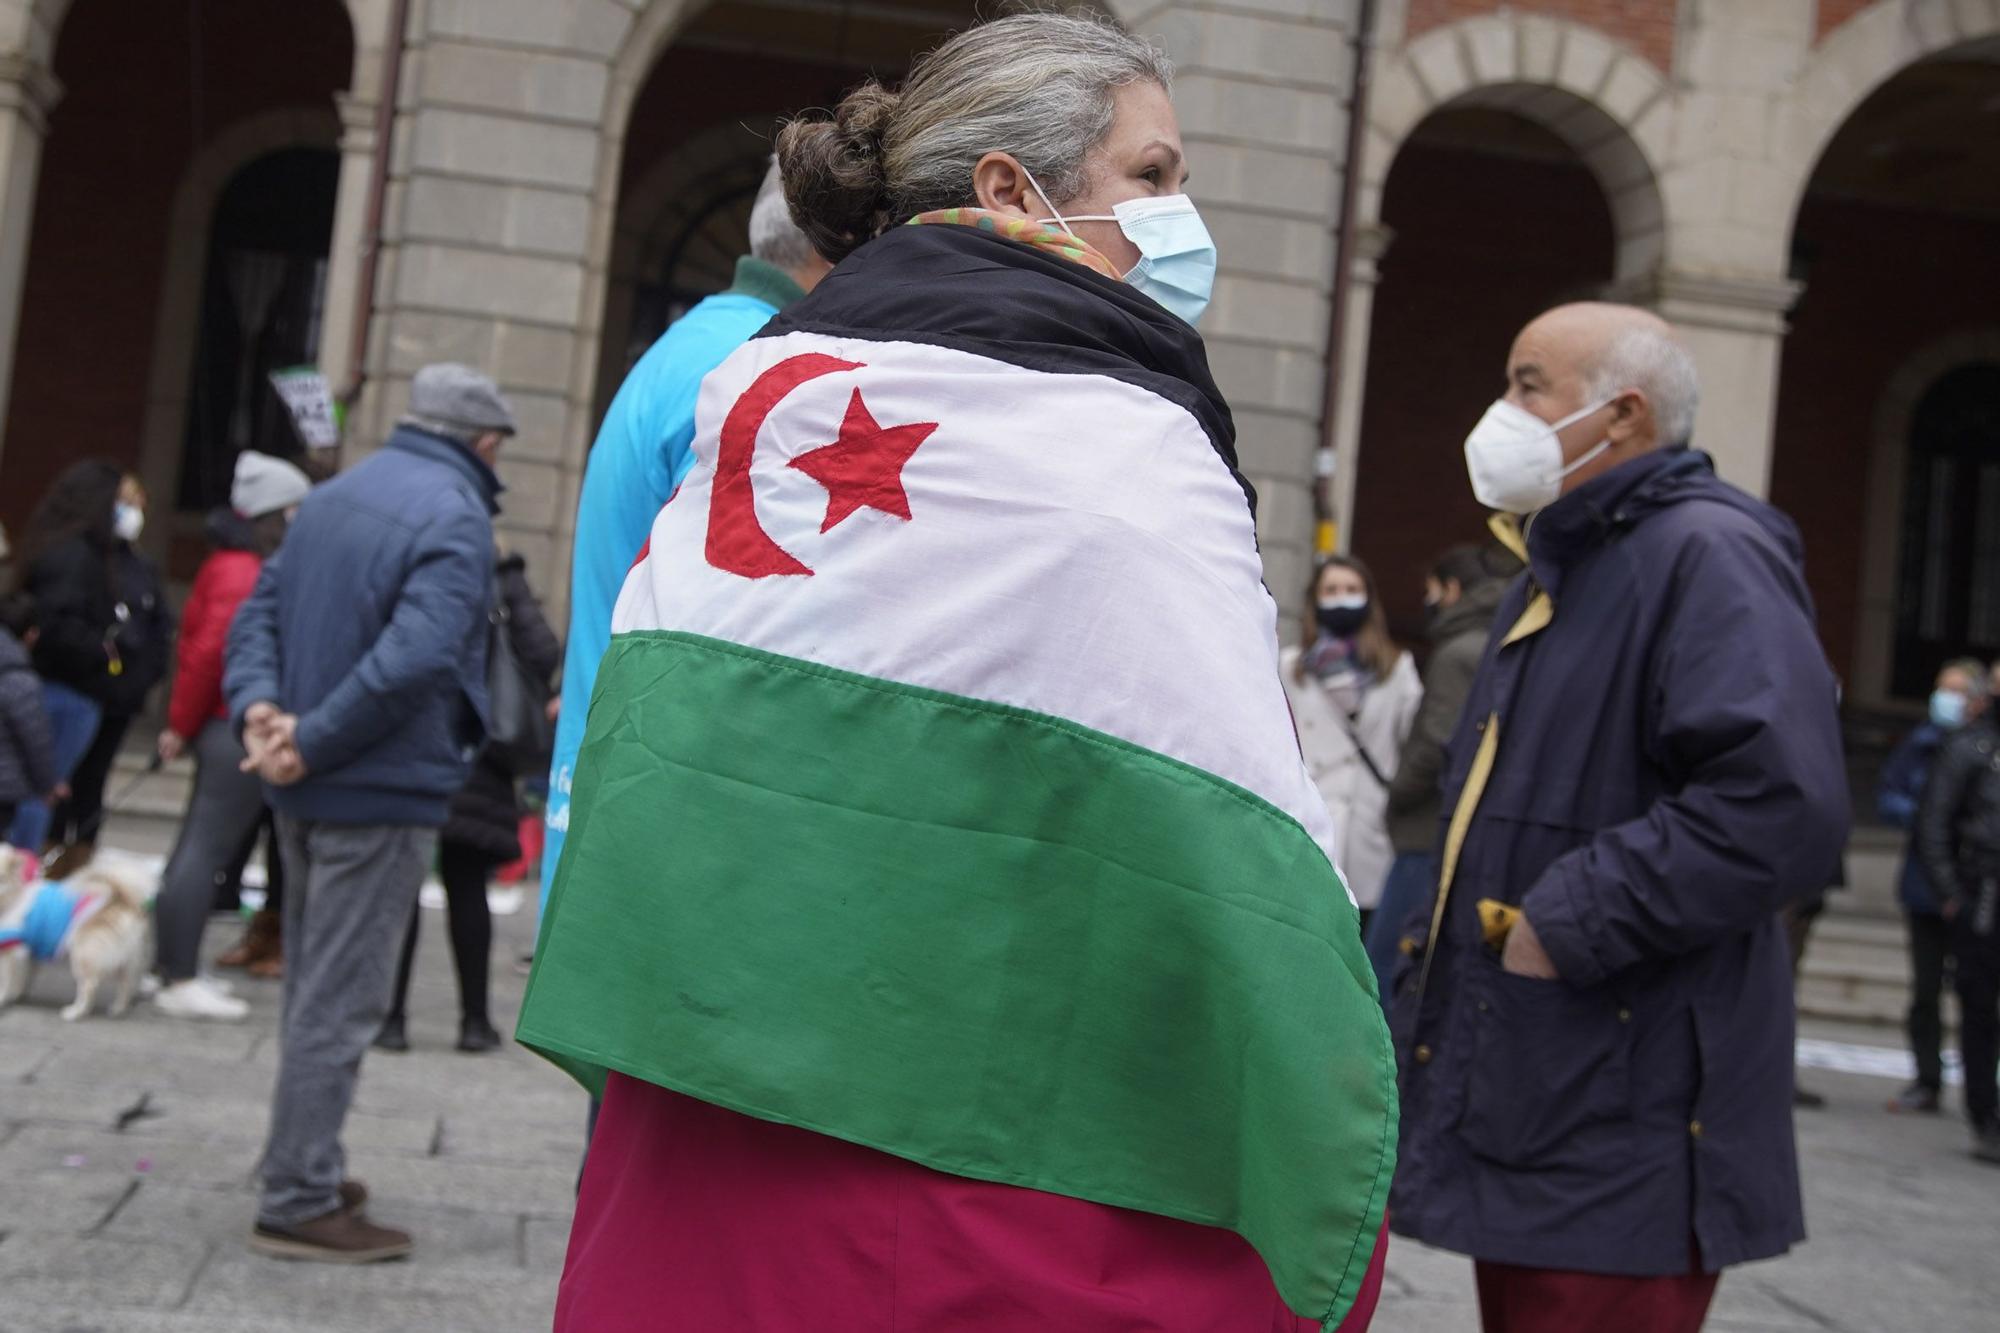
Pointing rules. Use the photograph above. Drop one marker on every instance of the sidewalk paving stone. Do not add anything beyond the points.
(141, 1229)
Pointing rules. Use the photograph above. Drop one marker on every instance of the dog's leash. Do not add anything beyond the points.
(116, 803)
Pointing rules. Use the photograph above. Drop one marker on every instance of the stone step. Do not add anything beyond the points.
(163, 793)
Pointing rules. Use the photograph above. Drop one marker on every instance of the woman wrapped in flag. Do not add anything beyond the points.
(947, 917)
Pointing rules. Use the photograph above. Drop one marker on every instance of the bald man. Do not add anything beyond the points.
(1595, 1018)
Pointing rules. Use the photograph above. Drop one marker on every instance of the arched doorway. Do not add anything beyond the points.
(1494, 218)
(1886, 377)
(1948, 571)
(699, 137)
(263, 295)
(149, 89)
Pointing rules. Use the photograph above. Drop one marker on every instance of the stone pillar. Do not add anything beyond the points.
(1262, 99)
(1371, 243)
(487, 238)
(1736, 328)
(348, 248)
(28, 92)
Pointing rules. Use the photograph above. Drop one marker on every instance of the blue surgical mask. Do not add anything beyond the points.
(1948, 709)
(1176, 254)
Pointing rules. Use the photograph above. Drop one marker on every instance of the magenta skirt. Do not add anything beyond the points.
(694, 1217)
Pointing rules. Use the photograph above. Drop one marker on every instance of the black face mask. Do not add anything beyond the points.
(1342, 622)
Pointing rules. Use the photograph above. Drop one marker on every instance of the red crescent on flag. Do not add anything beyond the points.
(737, 542)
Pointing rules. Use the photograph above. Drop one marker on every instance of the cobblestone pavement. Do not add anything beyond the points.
(127, 1147)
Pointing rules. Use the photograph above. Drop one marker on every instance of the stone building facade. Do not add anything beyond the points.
(1806, 186)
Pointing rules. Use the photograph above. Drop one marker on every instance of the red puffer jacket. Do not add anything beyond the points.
(224, 580)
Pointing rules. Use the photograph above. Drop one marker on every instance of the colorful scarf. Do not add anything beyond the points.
(1341, 673)
(1040, 235)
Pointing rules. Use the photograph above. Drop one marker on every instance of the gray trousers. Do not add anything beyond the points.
(349, 894)
(226, 805)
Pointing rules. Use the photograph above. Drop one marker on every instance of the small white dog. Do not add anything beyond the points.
(97, 918)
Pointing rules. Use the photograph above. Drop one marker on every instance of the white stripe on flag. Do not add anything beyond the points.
(1076, 547)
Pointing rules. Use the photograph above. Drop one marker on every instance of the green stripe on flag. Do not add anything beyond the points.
(991, 941)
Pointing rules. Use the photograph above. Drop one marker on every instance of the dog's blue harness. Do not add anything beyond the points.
(44, 924)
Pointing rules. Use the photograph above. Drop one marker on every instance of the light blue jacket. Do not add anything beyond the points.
(641, 455)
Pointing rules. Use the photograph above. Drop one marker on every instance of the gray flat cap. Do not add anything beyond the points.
(460, 396)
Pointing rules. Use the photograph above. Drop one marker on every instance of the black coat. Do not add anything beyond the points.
(145, 634)
(487, 813)
(97, 606)
(1665, 774)
(27, 753)
(75, 602)
(1958, 823)
(1458, 642)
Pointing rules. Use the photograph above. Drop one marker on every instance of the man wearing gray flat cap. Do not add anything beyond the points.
(357, 678)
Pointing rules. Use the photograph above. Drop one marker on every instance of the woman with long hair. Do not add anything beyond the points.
(1354, 694)
(945, 914)
(143, 642)
(65, 564)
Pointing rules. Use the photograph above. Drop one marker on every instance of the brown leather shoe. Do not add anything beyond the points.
(268, 969)
(261, 940)
(68, 859)
(353, 1194)
(339, 1237)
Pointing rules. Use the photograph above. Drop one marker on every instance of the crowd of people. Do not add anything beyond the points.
(997, 972)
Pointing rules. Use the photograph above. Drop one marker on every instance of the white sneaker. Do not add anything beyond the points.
(150, 984)
(195, 998)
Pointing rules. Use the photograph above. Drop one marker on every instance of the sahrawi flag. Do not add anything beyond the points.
(939, 794)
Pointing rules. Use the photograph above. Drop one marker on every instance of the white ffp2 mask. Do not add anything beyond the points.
(1515, 458)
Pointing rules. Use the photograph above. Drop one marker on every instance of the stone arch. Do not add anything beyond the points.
(1854, 61)
(31, 30)
(1603, 99)
(656, 26)
(33, 34)
(177, 311)
(1888, 468)
(651, 201)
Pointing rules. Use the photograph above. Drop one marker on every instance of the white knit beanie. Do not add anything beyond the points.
(265, 485)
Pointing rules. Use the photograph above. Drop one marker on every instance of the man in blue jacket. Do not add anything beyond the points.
(642, 453)
(357, 677)
(1958, 698)
(1596, 1036)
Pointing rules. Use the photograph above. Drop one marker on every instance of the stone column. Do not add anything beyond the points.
(350, 239)
(487, 238)
(1736, 328)
(1262, 97)
(1371, 243)
(28, 92)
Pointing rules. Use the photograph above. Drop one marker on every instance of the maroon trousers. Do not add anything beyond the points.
(1547, 1300)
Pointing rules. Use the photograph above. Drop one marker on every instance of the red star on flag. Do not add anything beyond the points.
(863, 469)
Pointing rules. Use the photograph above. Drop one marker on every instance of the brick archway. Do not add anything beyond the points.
(1605, 100)
(177, 312)
(652, 202)
(1855, 60)
(1888, 475)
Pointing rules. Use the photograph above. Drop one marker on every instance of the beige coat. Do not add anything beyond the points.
(1358, 802)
